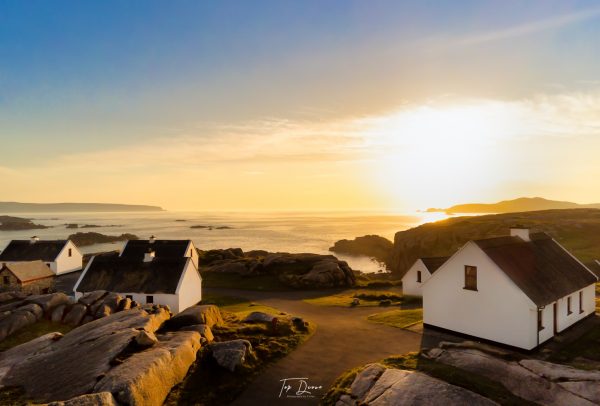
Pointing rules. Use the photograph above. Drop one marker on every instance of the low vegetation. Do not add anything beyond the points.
(209, 384)
(33, 331)
(401, 318)
(414, 362)
(236, 281)
(363, 298)
(583, 353)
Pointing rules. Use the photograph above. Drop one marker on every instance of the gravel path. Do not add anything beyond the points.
(344, 339)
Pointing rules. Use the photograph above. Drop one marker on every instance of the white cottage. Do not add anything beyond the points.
(149, 272)
(520, 290)
(61, 256)
(419, 273)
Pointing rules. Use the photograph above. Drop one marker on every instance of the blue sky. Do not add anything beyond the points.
(82, 77)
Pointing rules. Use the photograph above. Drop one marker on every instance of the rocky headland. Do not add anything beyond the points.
(82, 239)
(9, 223)
(373, 246)
(299, 271)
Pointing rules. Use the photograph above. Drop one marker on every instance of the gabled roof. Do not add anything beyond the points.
(28, 271)
(25, 250)
(135, 249)
(433, 263)
(541, 268)
(123, 275)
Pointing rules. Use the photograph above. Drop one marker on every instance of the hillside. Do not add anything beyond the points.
(513, 206)
(577, 229)
(16, 207)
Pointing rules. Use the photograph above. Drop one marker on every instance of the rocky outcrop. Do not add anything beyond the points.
(302, 271)
(9, 223)
(89, 359)
(146, 378)
(377, 385)
(209, 315)
(93, 399)
(258, 317)
(231, 354)
(201, 329)
(82, 239)
(532, 380)
(373, 246)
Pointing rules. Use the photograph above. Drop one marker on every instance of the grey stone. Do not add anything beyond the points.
(145, 339)
(259, 317)
(74, 315)
(92, 297)
(49, 301)
(201, 314)
(58, 313)
(92, 399)
(231, 354)
(202, 329)
(366, 379)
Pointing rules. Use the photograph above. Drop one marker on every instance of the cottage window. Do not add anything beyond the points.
(540, 319)
(149, 299)
(419, 276)
(580, 301)
(70, 252)
(191, 252)
(569, 306)
(45, 290)
(470, 277)
(130, 297)
(5, 280)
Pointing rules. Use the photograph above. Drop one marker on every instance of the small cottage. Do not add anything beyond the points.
(419, 273)
(61, 256)
(32, 277)
(520, 290)
(149, 272)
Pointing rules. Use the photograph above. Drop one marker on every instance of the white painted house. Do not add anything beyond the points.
(520, 290)
(419, 273)
(149, 272)
(61, 256)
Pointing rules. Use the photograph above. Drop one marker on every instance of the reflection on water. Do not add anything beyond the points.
(277, 232)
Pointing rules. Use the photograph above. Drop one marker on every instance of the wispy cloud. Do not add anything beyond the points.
(519, 30)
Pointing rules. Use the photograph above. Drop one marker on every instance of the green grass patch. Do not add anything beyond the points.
(401, 318)
(455, 376)
(366, 298)
(208, 384)
(33, 331)
(235, 281)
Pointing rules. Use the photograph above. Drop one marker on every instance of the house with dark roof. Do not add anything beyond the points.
(148, 272)
(32, 277)
(519, 290)
(61, 256)
(419, 273)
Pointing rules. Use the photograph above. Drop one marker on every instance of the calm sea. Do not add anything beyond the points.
(278, 232)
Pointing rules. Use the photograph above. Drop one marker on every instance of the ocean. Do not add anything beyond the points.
(275, 232)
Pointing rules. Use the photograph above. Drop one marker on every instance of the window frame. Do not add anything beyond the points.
(569, 310)
(541, 319)
(470, 281)
(580, 301)
(419, 277)
(151, 299)
(5, 280)
(70, 252)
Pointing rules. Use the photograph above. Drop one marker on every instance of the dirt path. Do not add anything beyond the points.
(343, 340)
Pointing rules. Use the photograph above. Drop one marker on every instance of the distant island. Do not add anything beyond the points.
(8, 223)
(90, 238)
(16, 207)
(513, 206)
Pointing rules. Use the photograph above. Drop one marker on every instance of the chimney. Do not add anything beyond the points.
(520, 231)
(152, 239)
(34, 239)
(149, 256)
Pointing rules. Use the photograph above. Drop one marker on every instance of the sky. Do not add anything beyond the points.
(299, 105)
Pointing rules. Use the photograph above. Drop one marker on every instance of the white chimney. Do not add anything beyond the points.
(520, 231)
(152, 239)
(149, 256)
(34, 239)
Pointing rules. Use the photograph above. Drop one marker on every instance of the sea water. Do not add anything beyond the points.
(293, 232)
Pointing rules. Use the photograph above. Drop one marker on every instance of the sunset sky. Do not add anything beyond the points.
(299, 105)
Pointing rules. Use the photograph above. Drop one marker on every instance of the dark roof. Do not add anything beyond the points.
(541, 268)
(116, 274)
(135, 249)
(433, 263)
(25, 250)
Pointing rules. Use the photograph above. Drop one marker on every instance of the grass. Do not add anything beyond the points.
(367, 298)
(235, 281)
(401, 318)
(455, 376)
(33, 331)
(208, 384)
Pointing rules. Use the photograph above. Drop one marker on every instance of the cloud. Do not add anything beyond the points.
(519, 30)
